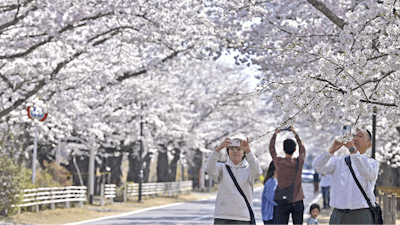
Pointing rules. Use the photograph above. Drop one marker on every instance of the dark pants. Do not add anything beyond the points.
(283, 212)
(316, 191)
(268, 221)
(225, 221)
(326, 195)
(358, 216)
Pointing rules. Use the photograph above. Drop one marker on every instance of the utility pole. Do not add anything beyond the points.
(34, 156)
(140, 157)
(183, 170)
(58, 155)
(202, 172)
(204, 153)
(375, 110)
(91, 173)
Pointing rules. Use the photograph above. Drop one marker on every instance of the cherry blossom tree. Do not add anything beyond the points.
(323, 61)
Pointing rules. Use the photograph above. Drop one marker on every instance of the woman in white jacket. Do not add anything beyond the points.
(230, 206)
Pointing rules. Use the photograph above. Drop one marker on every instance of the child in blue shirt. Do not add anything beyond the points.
(314, 212)
(267, 203)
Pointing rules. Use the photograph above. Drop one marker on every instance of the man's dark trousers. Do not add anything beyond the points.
(283, 211)
(326, 195)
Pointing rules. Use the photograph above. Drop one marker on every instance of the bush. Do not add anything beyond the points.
(53, 175)
(12, 180)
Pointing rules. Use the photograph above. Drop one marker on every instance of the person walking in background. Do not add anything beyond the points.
(326, 188)
(267, 203)
(350, 206)
(316, 183)
(314, 212)
(286, 168)
(230, 206)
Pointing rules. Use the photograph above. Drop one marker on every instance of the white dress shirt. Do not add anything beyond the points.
(345, 193)
(326, 180)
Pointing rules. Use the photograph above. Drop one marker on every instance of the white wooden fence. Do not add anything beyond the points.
(52, 195)
(108, 191)
(159, 188)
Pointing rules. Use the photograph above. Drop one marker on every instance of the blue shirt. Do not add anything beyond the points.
(312, 221)
(267, 203)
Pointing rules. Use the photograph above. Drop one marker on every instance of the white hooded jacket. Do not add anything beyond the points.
(229, 203)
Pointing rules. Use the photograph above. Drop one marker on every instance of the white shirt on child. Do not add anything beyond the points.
(312, 221)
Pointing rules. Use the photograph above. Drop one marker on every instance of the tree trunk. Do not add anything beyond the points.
(146, 170)
(173, 165)
(115, 164)
(134, 168)
(162, 166)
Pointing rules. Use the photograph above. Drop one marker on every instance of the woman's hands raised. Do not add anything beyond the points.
(224, 144)
(244, 145)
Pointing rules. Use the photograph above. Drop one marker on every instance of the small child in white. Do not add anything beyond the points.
(314, 211)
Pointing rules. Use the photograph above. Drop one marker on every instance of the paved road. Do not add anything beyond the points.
(199, 212)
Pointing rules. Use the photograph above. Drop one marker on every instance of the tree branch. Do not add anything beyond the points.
(31, 49)
(16, 19)
(39, 86)
(130, 74)
(374, 80)
(328, 13)
(112, 30)
(378, 103)
(330, 83)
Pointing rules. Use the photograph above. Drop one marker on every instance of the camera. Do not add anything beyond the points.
(346, 129)
(234, 143)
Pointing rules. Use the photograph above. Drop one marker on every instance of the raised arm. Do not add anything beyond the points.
(272, 150)
(302, 149)
(323, 163)
(211, 167)
(367, 168)
(255, 167)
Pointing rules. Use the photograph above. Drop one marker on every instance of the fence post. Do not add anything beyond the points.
(67, 204)
(124, 193)
(80, 195)
(67, 191)
(393, 208)
(385, 208)
(52, 204)
(111, 188)
(36, 207)
(398, 203)
(102, 194)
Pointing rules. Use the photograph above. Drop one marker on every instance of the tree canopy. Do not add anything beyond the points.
(99, 67)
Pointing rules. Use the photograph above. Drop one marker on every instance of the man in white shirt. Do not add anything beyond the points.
(350, 206)
(325, 188)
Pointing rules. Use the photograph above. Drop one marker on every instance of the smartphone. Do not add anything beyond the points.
(346, 129)
(234, 143)
(285, 129)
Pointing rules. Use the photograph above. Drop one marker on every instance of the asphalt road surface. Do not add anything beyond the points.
(198, 212)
